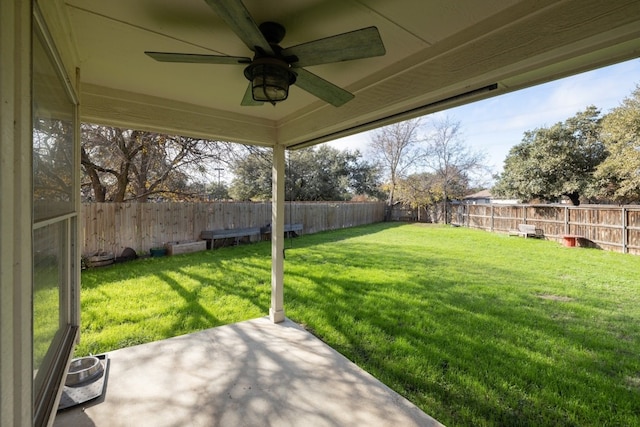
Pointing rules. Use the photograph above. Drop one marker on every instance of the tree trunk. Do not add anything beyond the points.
(122, 183)
(444, 207)
(575, 198)
(99, 190)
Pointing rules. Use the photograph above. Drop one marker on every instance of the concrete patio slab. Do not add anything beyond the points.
(252, 373)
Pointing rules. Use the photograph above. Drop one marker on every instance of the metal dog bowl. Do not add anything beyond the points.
(82, 370)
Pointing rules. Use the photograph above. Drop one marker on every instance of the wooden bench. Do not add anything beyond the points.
(235, 233)
(527, 230)
(289, 229)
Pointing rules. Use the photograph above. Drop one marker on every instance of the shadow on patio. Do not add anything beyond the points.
(253, 373)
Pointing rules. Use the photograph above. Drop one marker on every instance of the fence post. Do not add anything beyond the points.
(467, 213)
(566, 220)
(491, 219)
(625, 230)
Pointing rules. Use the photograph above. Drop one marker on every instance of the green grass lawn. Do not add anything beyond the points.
(474, 328)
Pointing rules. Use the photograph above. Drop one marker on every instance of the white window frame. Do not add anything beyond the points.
(45, 400)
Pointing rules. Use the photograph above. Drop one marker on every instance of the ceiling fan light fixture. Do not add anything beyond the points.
(270, 79)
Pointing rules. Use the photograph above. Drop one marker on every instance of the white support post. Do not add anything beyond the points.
(276, 312)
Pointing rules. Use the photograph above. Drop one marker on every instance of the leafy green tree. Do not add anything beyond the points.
(217, 191)
(252, 175)
(428, 191)
(326, 173)
(319, 173)
(557, 161)
(419, 190)
(619, 175)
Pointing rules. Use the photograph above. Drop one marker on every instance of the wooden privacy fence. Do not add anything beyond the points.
(111, 227)
(615, 228)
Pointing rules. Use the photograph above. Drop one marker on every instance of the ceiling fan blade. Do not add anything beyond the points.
(247, 99)
(236, 15)
(197, 58)
(363, 43)
(321, 88)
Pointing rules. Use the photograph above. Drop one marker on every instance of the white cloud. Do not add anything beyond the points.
(495, 125)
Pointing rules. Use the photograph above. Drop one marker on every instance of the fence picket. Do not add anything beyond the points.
(615, 228)
(114, 226)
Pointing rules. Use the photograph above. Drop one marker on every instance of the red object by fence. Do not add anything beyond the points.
(570, 241)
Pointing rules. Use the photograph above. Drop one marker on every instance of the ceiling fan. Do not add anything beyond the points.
(273, 69)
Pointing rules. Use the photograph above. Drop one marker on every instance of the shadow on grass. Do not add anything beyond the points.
(467, 350)
(338, 235)
(191, 315)
(458, 328)
(158, 298)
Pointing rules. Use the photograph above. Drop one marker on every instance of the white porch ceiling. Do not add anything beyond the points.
(438, 54)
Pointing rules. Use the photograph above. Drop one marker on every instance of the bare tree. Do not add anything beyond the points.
(450, 159)
(120, 164)
(395, 148)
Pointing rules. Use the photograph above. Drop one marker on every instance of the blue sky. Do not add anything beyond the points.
(495, 125)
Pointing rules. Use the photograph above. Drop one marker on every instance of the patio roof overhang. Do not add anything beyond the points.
(438, 55)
